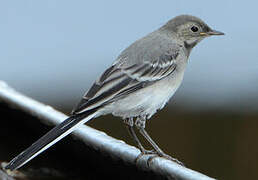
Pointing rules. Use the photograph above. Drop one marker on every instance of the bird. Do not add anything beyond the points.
(135, 86)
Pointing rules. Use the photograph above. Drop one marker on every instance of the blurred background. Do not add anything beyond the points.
(54, 50)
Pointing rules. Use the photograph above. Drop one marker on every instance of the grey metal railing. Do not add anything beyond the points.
(97, 139)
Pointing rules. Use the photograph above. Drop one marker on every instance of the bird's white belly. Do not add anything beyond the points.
(147, 101)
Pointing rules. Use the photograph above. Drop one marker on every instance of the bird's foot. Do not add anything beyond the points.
(146, 152)
(155, 155)
(163, 155)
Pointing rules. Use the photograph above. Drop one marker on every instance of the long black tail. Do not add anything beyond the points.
(49, 139)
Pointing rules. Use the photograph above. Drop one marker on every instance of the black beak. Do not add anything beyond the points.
(214, 32)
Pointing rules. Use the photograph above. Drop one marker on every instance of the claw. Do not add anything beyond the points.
(145, 152)
(163, 155)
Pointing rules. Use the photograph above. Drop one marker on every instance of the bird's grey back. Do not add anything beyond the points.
(149, 48)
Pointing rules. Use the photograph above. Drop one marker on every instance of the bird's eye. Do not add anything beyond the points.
(194, 29)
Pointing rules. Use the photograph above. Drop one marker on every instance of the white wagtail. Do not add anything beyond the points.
(140, 81)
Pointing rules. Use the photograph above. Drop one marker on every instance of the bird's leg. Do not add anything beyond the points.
(140, 124)
(129, 125)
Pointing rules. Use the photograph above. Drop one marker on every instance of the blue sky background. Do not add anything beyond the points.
(53, 50)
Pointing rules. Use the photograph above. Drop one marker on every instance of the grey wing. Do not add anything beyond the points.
(121, 80)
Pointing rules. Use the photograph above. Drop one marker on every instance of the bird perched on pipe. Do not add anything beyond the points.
(138, 83)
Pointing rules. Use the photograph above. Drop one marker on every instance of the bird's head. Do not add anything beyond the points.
(189, 29)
